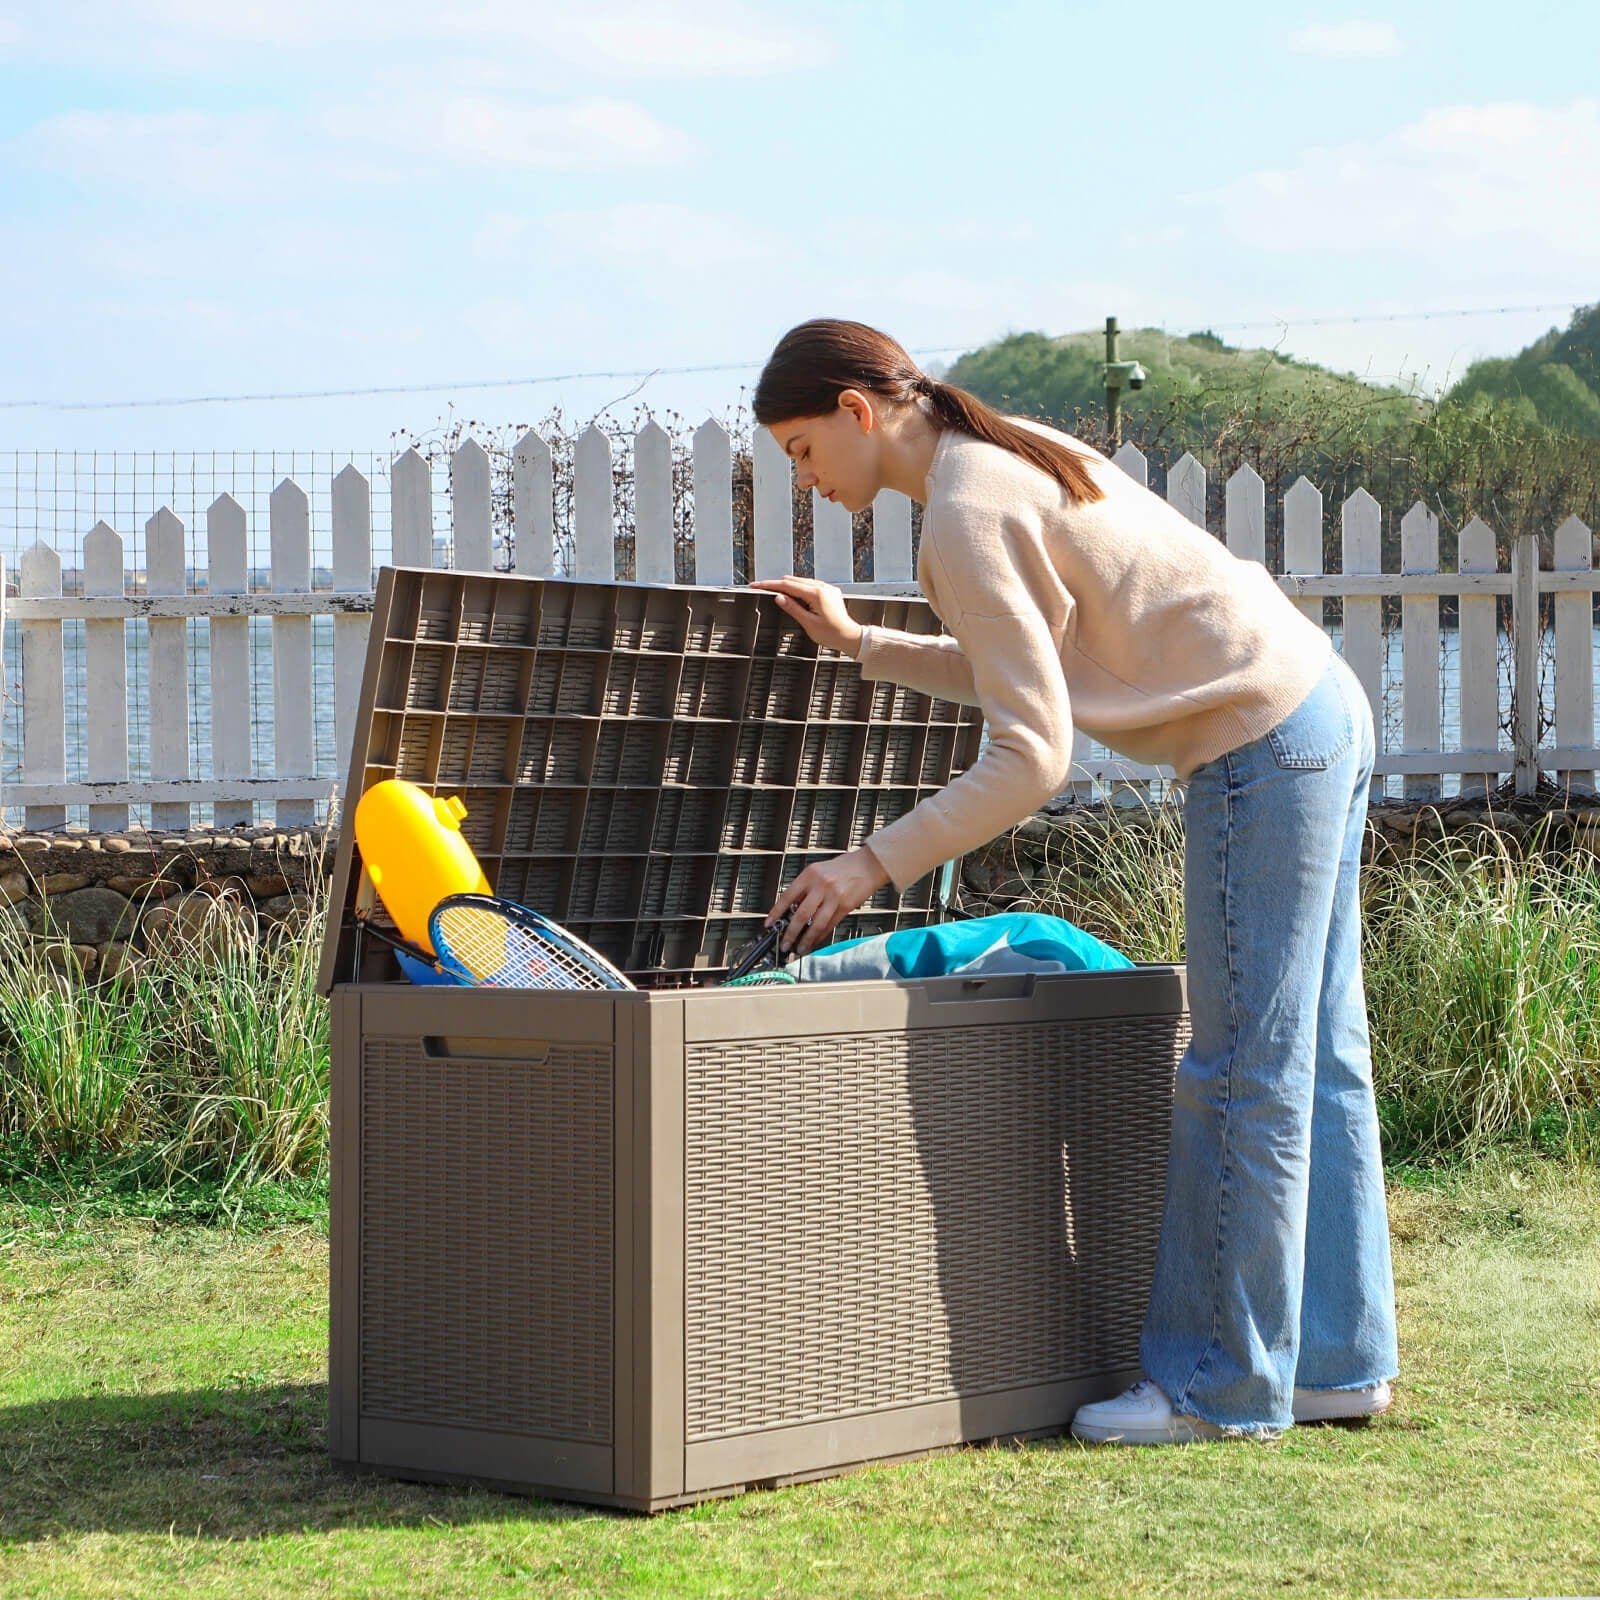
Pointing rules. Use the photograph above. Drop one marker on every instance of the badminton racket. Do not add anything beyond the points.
(486, 940)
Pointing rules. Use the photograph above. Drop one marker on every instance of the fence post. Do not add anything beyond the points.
(411, 510)
(1574, 623)
(832, 549)
(44, 717)
(1477, 633)
(105, 674)
(594, 527)
(772, 537)
(533, 506)
(1525, 660)
(471, 512)
(228, 573)
(1419, 650)
(1302, 540)
(1361, 536)
(712, 549)
(352, 573)
(1186, 489)
(891, 538)
(293, 724)
(165, 564)
(655, 556)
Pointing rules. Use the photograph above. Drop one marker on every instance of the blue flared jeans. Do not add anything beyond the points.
(1273, 1265)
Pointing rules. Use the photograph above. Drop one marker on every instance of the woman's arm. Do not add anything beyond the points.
(1023, 692)
(1022, 688)
(931, 663)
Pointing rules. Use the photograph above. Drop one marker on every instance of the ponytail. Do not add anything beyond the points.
(816, 362)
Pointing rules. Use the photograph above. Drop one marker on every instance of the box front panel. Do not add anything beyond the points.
(877, 1221)
(486, 1237)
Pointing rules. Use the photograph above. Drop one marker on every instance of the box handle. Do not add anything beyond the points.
(532, 1052)
(999, 986)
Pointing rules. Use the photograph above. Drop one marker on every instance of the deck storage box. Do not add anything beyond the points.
(644, 1248)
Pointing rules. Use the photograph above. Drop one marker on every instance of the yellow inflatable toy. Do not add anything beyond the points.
(412, 849)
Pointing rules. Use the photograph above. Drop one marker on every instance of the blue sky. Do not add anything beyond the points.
(283, 195)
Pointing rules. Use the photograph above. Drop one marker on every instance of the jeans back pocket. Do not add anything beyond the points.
(1318, 731)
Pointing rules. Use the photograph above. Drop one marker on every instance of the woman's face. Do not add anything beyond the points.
(836, 454)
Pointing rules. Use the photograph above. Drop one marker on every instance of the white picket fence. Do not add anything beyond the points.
(167, 604)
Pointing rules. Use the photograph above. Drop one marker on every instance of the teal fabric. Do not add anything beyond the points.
(1013, 942)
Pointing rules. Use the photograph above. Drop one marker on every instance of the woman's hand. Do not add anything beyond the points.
(819, 608)
(824, 894)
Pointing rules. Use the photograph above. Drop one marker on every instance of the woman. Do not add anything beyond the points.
(1074, 595)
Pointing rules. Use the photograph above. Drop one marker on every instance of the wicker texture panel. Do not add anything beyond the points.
(486, 1240)
(881, 1220)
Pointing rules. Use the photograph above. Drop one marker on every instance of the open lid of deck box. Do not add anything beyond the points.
(647, 764)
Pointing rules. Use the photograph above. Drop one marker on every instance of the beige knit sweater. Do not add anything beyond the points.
(1121, 616)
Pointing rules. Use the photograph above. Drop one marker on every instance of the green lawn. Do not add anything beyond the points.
(161, 1433)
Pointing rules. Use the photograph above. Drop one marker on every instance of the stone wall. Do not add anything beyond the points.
(102, 899)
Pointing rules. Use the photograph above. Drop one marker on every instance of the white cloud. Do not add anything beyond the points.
(1347, 41)
(1485, 190)
(986, 233)
(581, 134)
(242, 155)
(661, 39)
(191, 152)
(570, 136)
(643, 38)
(655, 234)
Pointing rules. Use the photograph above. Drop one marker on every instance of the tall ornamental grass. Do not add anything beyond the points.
(74, 1058)
(1123, 882)
(206, 1058)
(1482, 967)
(1483, 986)
(209, 1058)
(248, 1037)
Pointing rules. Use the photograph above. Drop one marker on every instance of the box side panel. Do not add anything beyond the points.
(561, 1466)
(344, 1240)
(337, 942)
(882, 1221)
(486, 1188)
(658, 1277)
(628, 1475)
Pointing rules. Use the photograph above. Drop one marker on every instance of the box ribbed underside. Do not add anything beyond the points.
(486, 1254)
(647, 765)
(880, 1220)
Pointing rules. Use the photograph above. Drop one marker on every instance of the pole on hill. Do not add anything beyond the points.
(1113, 387)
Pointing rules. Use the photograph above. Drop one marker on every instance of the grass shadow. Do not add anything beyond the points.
(224, 1463)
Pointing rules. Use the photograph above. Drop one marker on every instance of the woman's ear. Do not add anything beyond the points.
(858, 407)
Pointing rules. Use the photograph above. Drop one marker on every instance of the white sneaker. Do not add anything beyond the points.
(1140, 1415)
(1340, 1405)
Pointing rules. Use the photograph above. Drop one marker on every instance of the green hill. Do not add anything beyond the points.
(1516, 442)
(1196, 383)
(1554, 382)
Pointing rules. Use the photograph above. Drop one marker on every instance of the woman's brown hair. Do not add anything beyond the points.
(816, 362)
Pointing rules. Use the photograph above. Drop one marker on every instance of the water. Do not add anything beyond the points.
(329, 762)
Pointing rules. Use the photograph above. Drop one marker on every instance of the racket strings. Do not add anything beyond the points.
(506, 954)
